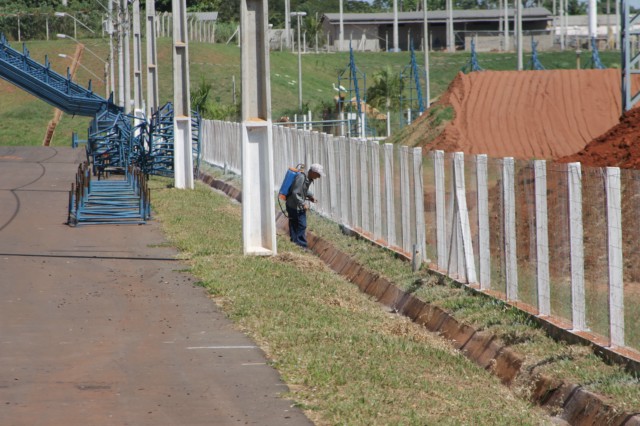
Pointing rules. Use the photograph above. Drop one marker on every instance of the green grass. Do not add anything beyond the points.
(346, 360)
(24, 118)
(574, 363)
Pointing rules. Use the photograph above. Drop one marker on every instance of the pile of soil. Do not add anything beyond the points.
(529, 114)
(620, 146)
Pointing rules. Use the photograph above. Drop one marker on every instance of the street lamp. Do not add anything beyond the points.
(108, 84)
(110, 24)
(299, 15)
(75, 21)
(62, 55)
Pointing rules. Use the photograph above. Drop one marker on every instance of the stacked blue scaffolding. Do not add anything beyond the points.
(114, 144)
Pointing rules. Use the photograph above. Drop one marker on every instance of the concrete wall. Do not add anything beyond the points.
(493, 43)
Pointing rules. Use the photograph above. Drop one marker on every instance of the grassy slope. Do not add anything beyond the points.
(23, 118)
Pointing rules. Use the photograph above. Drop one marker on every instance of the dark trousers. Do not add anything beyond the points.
(298, 226)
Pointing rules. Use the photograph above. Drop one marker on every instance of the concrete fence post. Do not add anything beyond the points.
(484, 253)
(376, 194)
(405, 199)
(614, 234)
(353, 181)
(333, 174)
(577, 246)
(389, 194)
(542, 238)
(511, 260)
(466, 260)
(441, 224)
(418, 193)
(345, 189)
(364, 187)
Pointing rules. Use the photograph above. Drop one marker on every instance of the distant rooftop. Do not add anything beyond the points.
(530, 13)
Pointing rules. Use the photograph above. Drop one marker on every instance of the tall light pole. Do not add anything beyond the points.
(287, 25)
(62, 55)
(110, 24)
(299, 15)
(126, 27)
(75, 21)
(107, 84)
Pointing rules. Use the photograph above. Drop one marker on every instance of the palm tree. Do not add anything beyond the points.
(385, 90)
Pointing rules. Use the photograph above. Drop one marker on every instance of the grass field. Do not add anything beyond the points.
(23, 118)
(346, 360)
(342, 354)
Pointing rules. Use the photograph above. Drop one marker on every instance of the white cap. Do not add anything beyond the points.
(317, 168)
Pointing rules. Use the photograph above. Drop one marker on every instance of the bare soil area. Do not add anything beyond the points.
(529, 114)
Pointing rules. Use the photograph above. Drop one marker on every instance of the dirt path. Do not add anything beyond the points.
(98, 326)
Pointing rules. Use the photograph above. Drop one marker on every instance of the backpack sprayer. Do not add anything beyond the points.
(287, 183)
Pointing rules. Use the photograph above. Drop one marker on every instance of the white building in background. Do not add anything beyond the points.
(373, 31)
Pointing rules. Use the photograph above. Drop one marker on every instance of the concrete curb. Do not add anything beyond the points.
(577, 405)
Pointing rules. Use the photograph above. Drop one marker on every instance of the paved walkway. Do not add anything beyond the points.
(98, 326)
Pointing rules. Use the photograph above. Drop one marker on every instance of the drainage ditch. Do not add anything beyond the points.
(568, 402)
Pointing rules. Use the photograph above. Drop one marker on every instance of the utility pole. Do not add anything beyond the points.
(152, 60)
(182, 155)
(287, 24)
(137, 60)
(298, 15)
(519, 34)
(425, 43)
(396, 42)
(126, 25)
(121, 96)
(506, 25)
(112, 59)
(341, 29)
(451, 43)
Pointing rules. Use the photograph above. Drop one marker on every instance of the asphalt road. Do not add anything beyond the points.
(99, 326)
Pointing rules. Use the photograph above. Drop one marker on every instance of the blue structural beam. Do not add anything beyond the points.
(44, 83)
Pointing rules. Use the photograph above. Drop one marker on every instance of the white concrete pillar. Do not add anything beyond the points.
(542, 238)
(616, 265)
(137, 61)
(484, 249)
(509, 215)
(389, 191)
(153, 101)
(258, 213)
(182, 155)
(576, 236)
(441, 224)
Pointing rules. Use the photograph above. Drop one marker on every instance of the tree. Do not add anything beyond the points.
(385, 90)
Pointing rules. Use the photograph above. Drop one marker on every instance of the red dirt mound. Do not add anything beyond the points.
(530, 114)
(619, 147)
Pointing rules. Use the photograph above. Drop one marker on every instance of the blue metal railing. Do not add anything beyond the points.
(114, 201)
(44, 83)
(114, 144)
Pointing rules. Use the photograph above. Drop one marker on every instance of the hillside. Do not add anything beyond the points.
(23, 118)
(527, 114)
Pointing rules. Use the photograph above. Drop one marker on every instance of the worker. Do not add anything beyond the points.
(297, 203)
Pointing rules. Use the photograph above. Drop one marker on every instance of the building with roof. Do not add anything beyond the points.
(374, 31)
